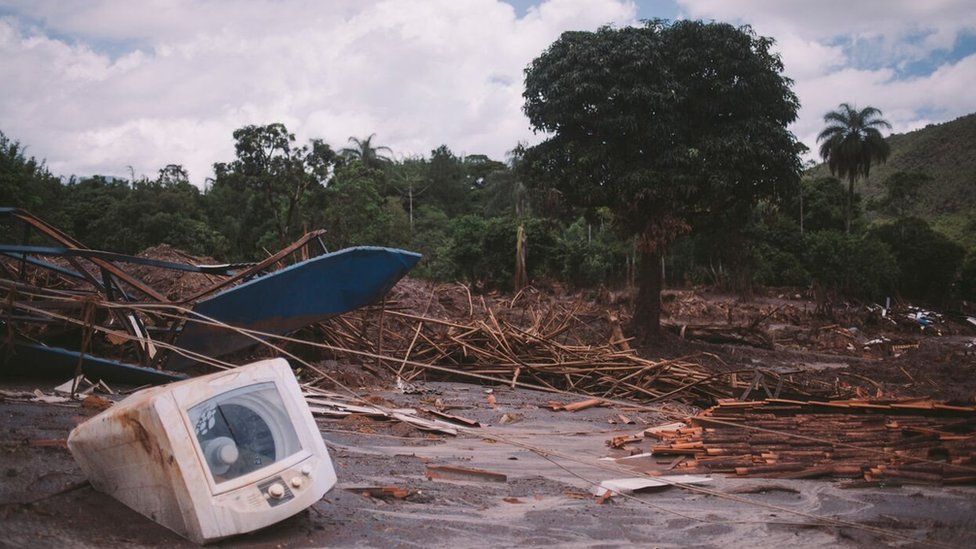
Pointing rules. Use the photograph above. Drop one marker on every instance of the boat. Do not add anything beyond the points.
(289, 299)
(54, 297)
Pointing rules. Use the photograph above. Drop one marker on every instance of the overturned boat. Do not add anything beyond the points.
(64, 304)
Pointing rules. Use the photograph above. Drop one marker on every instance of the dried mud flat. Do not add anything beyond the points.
(543, 502)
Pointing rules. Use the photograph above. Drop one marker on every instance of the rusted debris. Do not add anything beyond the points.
(452, 472)
(623, 440)
(452, 417)
(583, 404)
(382, 492)
(96, 403)
(50, 443)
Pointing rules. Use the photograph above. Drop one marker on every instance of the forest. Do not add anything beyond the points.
(463, 214)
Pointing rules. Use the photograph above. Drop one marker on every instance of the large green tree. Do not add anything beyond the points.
(901, 193)
(667, 125)
(850, 144)
(271, 176)
(25, 182)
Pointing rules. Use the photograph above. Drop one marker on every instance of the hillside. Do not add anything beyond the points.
(947, 153)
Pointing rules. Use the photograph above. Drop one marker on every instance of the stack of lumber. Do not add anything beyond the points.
(911, 440)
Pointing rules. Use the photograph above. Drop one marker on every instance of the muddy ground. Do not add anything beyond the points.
(542, 503)
(44, 501)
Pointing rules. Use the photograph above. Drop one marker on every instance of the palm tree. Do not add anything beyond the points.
(851, 144)
(364, 151)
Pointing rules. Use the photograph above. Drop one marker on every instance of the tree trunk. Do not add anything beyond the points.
(801, 211)
(411, 208)
(847, 206)
(647, 308)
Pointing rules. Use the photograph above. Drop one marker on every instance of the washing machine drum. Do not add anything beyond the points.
(243, 430)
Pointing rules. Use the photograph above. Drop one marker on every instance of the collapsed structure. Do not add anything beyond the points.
(56, 298)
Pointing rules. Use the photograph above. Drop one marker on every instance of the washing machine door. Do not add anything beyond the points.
(243, 430)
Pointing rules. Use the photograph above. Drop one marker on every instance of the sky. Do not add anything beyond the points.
(115, 87)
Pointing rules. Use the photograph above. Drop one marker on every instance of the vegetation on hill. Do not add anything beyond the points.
(944, 156)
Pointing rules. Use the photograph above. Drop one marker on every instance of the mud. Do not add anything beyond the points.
(544, 502)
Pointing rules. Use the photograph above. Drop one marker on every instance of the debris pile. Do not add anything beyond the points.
(175, 285)
(911, 440)
(546, 342)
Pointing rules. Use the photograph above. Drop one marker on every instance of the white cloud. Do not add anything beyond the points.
(908, 103)
(826, 46)
(420, 73)
(97, 86)
(892, 19)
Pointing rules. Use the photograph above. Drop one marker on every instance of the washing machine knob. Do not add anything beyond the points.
(276, 490)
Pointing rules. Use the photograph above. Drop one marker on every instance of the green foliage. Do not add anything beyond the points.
(856, 266)
(589, 257)
(269, 164)
(465, 248)
(25, 181)
(944, 153)
(928, 262)
(448, 185)
(901, 193)
(635, 128)
(850, 144)
(366, 153)
(356, 213)
(668, 126)
(967, 277)
(777, 254)
(481, 250)
(430, 237)
(823, 204)
(463, 213)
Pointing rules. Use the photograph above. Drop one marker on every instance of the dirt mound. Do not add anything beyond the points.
(175, 285)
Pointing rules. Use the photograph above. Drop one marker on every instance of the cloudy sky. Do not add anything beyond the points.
(95, 86)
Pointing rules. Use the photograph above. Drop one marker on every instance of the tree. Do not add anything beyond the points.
(666, 125)
(448, 187)
(355, 213)
(408, 179)
(25, 182)
(850, 144)
(270, 164)
(901, 193)
(824, 204)
(861, 266)
(364, 151)
(928, 261)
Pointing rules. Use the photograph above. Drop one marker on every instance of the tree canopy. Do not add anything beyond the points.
(851, 143)
(668, 126)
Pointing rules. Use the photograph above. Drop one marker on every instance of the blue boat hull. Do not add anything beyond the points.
(294, 297)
